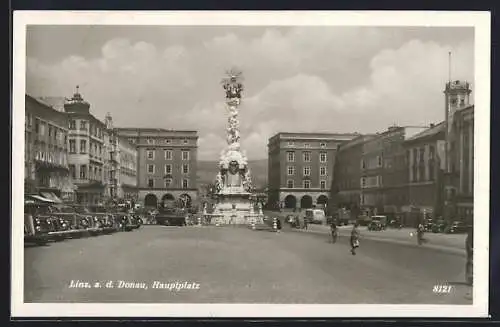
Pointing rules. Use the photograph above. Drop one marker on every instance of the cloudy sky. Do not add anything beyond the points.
(309, 79)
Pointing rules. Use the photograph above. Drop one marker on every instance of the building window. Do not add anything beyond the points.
(290, 156)
(50, 131)
(72, 146)
(185, 169)
(306, 156)
(322, 171)
(42, 128)
(289, 183)
(185, 141)
(322, 184)
(168, 141)
(379, 161)
(185, 183)
(83, 172)
(151, 182)
(306, 145)
(322, 157)
(307, 171)
(379, 180)
(363, 164)
(291, 143)
(131, 140)
(151, 141)
(363, 182)
(151, 154)
(83, 125)
(168, 154)
(168, 169)
(83, 146)
(432, 152)
(151, 169)
(72, 124)
(168, 182)
(72, 171)
(307, 184)
(37, 125)
(291, 170)
(322, 145)
(185, 155)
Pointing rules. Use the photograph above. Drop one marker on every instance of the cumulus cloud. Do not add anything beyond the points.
(297, 79)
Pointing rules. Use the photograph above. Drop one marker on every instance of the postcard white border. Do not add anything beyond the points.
(481, 21)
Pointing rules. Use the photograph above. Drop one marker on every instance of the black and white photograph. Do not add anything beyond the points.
(243, 164)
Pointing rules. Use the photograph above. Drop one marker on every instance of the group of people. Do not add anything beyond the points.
(354, 239)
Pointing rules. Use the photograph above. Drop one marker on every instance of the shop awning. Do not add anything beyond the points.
(38, 198)
(51, 196)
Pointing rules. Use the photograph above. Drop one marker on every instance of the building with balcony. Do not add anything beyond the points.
(46, 151)
(87, 153)
(121, 164)
(425, 153)
(384, 171)
(300, 167)
(166, 164)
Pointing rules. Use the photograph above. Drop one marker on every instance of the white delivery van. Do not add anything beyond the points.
(315, 216)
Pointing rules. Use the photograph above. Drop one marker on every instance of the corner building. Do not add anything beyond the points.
(46, 151)
(166, 164)
(300, 167)
(87, 151)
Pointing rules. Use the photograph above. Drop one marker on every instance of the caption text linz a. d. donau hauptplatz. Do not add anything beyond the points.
(121, 284)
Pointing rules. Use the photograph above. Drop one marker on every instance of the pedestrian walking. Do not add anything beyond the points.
(278, 225)
(420, 234)
(469, 248)
(333, 229)
(305, 223)
(354, 238)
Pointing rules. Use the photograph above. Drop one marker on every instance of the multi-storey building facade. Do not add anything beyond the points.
(345, 191)
(121, 164)
(384, 169)
(462, 165)
(459, 168)
(87, 151)
(46, 151)
(425, 153)
(166, 164)
(300, 167)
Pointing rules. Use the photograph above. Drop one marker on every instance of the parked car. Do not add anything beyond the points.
(457, 227)
(67, 225)
(382, 219)
(375, 225)
(439, 227)
(395, 224)
(428, 225)
(315, 216)
(36, 228)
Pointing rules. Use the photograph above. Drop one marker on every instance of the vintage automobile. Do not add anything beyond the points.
(123, 221)
(315, 216)
(456, 227)
(375, 225)
(66, 225)
(438, 227)
(36, 227)
(395, 223)
(171, 216)
(136, 221)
